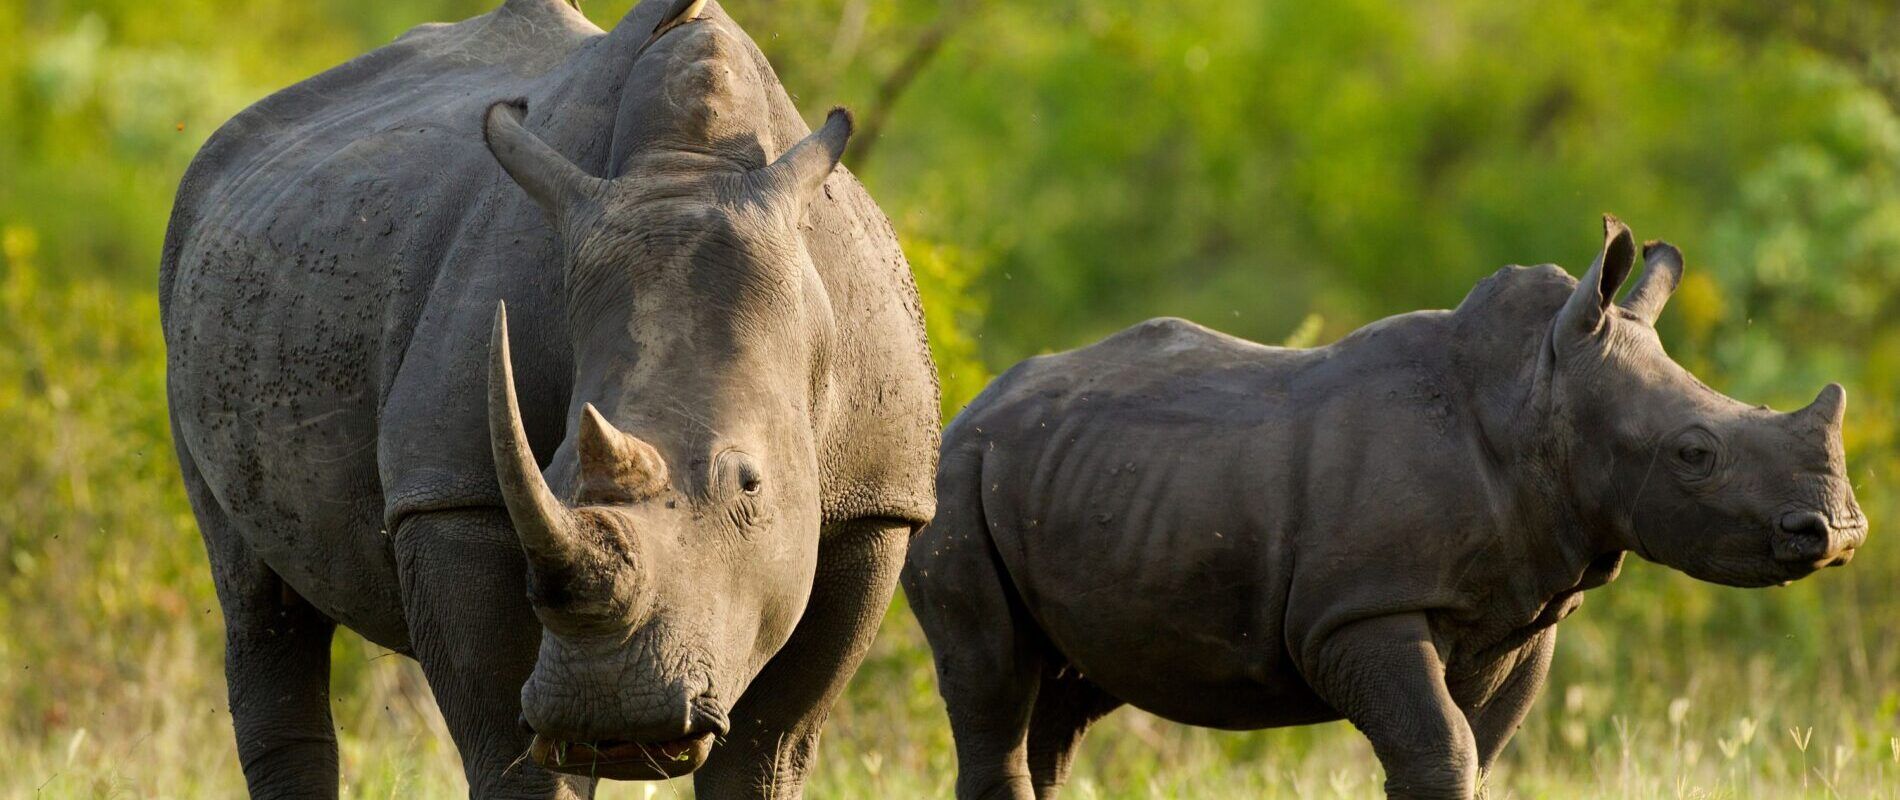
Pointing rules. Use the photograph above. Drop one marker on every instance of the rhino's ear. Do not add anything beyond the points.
(797, 174)
(1662, 270)
(553, 181)
(1584, 312)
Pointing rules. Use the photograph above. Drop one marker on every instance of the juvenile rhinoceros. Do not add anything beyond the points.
(646, 521)
(1384, 529)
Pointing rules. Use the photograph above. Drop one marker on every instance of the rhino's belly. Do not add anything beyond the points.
(1182, 643)
(301, 490)
(1173, 605)
(273, 379)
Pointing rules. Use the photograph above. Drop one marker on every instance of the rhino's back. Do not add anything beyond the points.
(310, 237)
(1164, 377)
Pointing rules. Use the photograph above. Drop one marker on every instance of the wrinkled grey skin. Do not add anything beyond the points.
(711, 345)
(1384, 529)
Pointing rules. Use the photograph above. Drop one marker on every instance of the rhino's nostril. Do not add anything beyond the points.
(708, 717)
(1805, 525)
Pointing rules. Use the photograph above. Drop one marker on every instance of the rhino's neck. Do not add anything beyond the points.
(1501, 356)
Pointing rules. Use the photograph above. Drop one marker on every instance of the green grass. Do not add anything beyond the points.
(1738, 734)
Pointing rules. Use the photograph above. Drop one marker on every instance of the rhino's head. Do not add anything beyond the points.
(1678, 472)
(673, 541)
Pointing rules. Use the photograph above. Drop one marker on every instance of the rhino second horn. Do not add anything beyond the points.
(615, 467)
(545, 526)
(1829, 408)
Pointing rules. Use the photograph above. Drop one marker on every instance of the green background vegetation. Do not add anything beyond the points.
(1280, 169)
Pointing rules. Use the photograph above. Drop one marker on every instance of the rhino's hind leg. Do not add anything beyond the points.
(989, 651)
(1066, 705)
(276, 663)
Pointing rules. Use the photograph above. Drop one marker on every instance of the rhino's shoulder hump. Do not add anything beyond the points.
(1164, 334)
(1533, 293)
(368, 126)
(422, 73)
(1165, 346)
(533, 35)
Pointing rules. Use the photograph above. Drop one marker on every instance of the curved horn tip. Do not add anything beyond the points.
(498, 343)
(498, 338)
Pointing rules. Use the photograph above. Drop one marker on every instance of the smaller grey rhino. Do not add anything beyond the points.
(1384, 530)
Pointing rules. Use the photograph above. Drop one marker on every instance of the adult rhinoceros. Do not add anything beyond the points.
(658, 534)
(1384, 529)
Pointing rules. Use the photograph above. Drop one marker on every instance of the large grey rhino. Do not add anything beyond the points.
(658, 505)
(1385, 529)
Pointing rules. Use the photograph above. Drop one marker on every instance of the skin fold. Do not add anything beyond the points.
(1385, 529)
(569, 363)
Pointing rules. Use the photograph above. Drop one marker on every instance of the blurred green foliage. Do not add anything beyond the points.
(1281, 170)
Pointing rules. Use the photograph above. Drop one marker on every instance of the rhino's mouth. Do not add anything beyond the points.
(623, 760)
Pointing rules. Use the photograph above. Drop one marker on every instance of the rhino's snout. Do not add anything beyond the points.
(651, 753)
(1809, 537)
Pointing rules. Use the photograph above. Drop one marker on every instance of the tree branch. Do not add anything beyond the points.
(872, 121)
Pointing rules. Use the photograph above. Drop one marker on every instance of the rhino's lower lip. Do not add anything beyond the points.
(624, 760)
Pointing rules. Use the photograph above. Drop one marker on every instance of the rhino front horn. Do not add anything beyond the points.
(545, 526)
(1829, 408)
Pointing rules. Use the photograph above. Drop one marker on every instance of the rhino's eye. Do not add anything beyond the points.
(740, 471)
(1695, 451)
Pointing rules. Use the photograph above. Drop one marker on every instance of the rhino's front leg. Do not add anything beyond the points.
(775, 726)
(1495, 720)
(465, 594)
(1384, 674)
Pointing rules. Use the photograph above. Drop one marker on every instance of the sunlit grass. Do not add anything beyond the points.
(166, 734)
